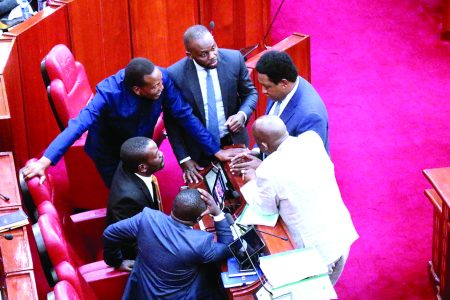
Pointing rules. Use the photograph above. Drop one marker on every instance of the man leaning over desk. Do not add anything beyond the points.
(297, 181)
(126, 104)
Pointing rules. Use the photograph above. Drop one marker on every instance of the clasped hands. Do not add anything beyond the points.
(243, 161)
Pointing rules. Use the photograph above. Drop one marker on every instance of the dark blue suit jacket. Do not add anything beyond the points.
(116, 114)
(238, 94)
(171, 256)
(305, 111)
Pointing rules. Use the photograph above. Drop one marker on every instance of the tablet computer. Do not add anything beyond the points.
(251, 243)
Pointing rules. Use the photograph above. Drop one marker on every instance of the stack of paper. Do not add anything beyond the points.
(300, 273)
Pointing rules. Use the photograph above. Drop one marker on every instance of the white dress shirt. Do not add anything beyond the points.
(285, 101)
(201, 73)
(148, 183)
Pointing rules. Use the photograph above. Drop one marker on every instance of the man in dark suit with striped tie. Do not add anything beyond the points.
(216, 83)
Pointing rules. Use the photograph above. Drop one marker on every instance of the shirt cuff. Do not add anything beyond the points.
(244, 114)
(184, 160)
(219, 218)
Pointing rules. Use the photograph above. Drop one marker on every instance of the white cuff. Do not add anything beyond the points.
(219, 218)
(245, 116)
(184, 160)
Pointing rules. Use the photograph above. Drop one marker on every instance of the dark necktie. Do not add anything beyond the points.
(213, 123)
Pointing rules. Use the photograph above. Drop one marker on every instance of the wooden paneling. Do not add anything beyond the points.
(100, 36)
(157, 28)
(445, 20)
(40, 33)
(238, 24)
(12, 125)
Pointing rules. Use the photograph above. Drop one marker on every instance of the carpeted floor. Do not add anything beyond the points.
(385, 78)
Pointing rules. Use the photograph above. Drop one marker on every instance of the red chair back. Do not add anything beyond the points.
(67, 84)
(65, 291)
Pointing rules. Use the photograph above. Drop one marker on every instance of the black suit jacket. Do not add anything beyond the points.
(128, 196)
(238, 93)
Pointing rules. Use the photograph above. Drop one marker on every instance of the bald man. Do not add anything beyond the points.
(297, 181)
(171, 255)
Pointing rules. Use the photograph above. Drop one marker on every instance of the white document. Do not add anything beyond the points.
(250, 216)
(313, 288)
(292, 266)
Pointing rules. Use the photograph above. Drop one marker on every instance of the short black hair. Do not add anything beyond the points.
(188, 205)
(135, 71)
(193, 33)
(277, 65)
(133, 152)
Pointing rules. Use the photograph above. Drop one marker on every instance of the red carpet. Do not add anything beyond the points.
(384, 76)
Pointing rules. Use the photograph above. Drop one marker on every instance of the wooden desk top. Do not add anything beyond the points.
(273, 244)
(440, 180)
(16, 264)
(8, 181)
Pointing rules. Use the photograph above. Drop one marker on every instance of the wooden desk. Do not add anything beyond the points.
(440, 198)
(273, 244)
(16, 265)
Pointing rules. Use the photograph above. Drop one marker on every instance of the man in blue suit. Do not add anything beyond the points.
(208, 72)
(172, 257)
(126, 105)
(291, 98)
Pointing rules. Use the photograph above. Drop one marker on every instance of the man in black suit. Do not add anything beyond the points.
(216, 83)
(132, 188)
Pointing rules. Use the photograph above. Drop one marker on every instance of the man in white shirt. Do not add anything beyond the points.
(216, 83)
(297, 181)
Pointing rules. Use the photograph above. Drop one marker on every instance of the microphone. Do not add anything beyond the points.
(211, 26)
(265, 232)
(270, 27)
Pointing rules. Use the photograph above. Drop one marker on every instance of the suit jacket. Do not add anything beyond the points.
(128, 196)
(116, 114)
(298, 182)
(171, 256)
(305, 111)
(238, 93)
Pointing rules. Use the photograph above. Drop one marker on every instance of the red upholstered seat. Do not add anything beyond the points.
(64, 291)
(67, 84)
(69, 91)
(106, 284)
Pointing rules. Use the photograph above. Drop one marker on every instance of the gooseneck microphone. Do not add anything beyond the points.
(265, 232)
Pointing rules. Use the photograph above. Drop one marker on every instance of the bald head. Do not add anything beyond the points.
(193, 33)
(269, 132)
(188, 206)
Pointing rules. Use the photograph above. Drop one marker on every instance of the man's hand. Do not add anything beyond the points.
(243, 162)
(211, 206)
(126, 265)
(228, 154)
(249, 174)
(36, 168)
(235, 122)
(190, 171)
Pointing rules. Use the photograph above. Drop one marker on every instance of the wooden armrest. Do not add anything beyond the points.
(90, 215)
(107, 283)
